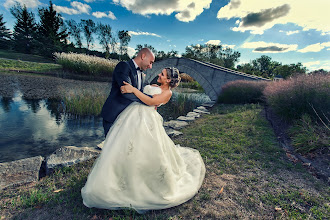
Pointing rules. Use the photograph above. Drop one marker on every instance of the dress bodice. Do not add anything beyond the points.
(152, 90)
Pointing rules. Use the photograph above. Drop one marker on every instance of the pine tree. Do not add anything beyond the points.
(24, 29)
(52, 32)
(5, 35)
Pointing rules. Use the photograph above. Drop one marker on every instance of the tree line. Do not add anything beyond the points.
(51, 34)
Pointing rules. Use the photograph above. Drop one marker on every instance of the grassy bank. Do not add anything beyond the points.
(248, 177)
(24, 57)
(18, 65)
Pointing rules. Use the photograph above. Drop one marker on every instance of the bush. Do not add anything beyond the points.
(242, 91)
(85, 64)
(308, 136)
(304, 94)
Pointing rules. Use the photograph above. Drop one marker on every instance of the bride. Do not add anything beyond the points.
(140, 167)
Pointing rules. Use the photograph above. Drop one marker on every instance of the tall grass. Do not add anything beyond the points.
(191, 85)
(242, 91)
(86, 64)
(304, 94)
(85, 101)
(308, 135)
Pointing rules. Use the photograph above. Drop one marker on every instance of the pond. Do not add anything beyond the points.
(32, 127)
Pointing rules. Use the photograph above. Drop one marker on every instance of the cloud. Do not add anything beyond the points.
(315, 47)
(316, 65)
(214, 42)
(143, 33)
(290, 32)
(186, 10)
(27, 3)
(99, 14)
(263, 47)
(257, 16)
(77, 8)
(261, 18)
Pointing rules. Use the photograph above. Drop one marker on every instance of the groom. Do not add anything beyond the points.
(131, 72)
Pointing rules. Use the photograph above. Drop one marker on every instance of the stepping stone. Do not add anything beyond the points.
(184, 118)
(20, 171)
(67, 156)
(172, 133)
(193, 114)
(175, 124)
(200, 111)
(202, 108)
(208, 104)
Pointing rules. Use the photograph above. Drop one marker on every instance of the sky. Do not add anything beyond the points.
(288, 31)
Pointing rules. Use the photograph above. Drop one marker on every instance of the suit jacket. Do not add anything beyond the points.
(116, 101)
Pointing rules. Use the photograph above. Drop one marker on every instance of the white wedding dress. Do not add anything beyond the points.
(140, 167)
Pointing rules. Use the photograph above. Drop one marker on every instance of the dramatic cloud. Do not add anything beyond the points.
(77, 8)
(257, 16)
(186, 10)
(99, 14)
(315, 47)
(143, 33)
(265, 16)
(263, 47)
(27, 3)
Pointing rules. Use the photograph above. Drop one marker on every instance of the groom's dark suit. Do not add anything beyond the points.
(117, 102)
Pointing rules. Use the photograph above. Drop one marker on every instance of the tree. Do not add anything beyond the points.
(105, 36)
(5, 35)
(124, 39)
(74, 31)
(52, 32)
(88, 28)
(139, 47)
(216, 54)
(230, 57)
(24, 29)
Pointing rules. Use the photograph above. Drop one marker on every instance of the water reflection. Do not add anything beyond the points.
(32, 127)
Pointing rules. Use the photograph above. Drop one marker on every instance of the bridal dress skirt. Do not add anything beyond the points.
(140, 167)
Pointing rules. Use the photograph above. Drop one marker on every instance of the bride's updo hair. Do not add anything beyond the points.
(173, 75)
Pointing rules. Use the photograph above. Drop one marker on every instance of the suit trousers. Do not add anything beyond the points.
(106, 125)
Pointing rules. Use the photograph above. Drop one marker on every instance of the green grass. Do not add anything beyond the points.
(241, 156)
(84, 101)
(235, 133)
(18, 65)
(24, 57)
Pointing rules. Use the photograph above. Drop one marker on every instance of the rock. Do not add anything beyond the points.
(200, 111)
(172, 133)
(20, 171)
(184, 118)
(202, 108)
(208, 104)
(175, 124)
(193, 114)
(67, 156)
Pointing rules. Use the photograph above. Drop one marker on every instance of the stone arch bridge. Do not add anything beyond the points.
(210, 76)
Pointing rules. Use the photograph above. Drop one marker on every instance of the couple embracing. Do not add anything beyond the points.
(140, 167)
